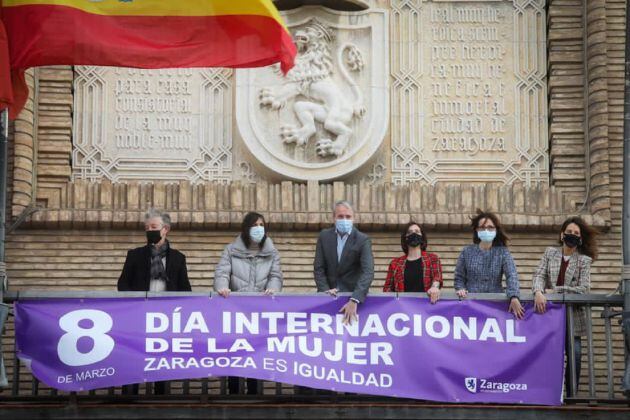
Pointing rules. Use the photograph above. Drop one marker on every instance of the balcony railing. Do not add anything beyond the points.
(603, 360)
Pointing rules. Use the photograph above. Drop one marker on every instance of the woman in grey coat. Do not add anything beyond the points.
(249, 264)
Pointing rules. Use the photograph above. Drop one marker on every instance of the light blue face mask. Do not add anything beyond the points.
(256, 233)
(487, 235)
(343, 226)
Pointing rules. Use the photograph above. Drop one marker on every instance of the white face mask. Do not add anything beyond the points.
(487, 235)
(256, 233)
(343, 226)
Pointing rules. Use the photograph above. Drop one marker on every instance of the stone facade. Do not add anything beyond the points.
(81, 226)
(574, 173)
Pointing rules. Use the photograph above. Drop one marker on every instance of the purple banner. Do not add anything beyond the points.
(454, 351)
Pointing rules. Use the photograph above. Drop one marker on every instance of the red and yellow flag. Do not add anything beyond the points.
(137, 33)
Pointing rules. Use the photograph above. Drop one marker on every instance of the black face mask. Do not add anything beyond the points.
(571, 240)
(414, 240)
(153, 236)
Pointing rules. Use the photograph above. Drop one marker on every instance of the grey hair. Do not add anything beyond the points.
(153, 212)
(343, 203)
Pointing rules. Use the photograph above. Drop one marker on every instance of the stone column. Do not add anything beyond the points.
(597, 107)
(24, 139)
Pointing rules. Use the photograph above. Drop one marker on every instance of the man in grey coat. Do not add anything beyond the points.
(344, 261)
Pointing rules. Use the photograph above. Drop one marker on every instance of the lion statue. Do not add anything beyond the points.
(318, 98)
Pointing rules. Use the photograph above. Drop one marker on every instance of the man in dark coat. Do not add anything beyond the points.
(155, 267)
(344, 261)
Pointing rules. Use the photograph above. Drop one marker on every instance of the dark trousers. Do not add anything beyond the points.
(305, 390)
(577, 352)
(233, 385)
(159, 388)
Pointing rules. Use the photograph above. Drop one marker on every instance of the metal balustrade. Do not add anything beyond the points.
(600, 383)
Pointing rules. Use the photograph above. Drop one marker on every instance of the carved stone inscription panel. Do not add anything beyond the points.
(469, 78)
(152, 124)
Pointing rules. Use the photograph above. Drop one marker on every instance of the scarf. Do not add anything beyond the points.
(158, 271)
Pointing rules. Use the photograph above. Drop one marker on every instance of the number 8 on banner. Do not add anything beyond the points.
(103, 344)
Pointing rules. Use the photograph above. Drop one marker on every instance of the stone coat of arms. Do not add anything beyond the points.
(329, 114)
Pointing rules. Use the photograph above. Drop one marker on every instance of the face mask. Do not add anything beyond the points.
(343, 226)
(153, 236)
(256, 233)
(414, 240)
(571, 240)
(487, 235)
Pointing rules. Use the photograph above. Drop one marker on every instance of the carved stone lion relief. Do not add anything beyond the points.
(321, 99)
(328, 115)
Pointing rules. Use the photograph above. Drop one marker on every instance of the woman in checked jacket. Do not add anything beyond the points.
(567, 269)
(417, 270)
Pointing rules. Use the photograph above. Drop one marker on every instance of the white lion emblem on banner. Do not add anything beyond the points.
(318, 99)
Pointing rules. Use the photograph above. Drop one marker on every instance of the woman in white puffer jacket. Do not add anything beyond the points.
(251, 263)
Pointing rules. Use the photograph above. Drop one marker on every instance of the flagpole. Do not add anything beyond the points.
(4, 135)
(4, 309)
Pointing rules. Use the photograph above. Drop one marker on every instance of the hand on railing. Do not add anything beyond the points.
(516, 308)
(349, 311)
(434, 294)
(540, 302)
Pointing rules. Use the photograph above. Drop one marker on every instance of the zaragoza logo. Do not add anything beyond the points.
(471, 384)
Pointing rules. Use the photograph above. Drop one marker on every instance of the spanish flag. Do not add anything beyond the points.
(136, 33)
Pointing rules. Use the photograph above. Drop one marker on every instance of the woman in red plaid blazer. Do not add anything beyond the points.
(406, 269)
